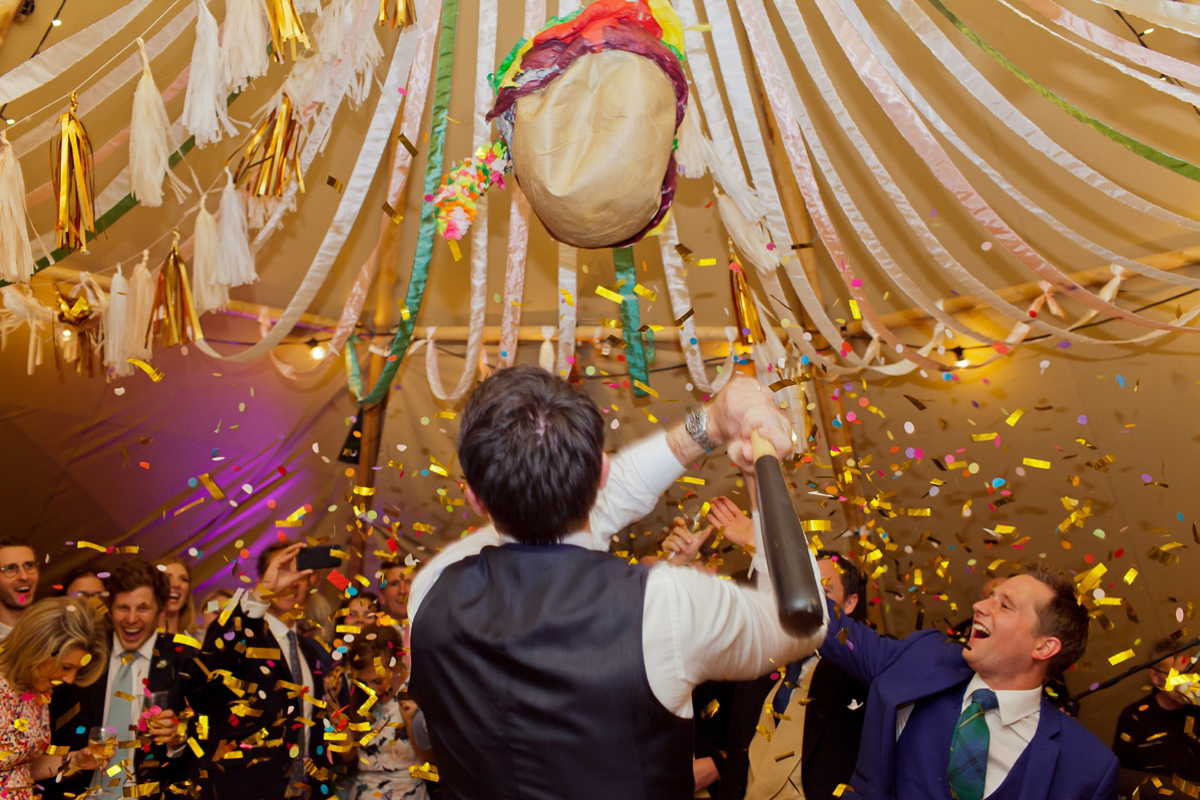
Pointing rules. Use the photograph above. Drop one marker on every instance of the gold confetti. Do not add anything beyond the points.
(392, 214)
(854, 308)
(642, 291)
(706, 262)
(1014, 416)
(567, 297)
(690, 479)
(783, 756)
(983, 437)
(816, 525)
(1119, 657)
(183, 638)
(445, 415)
(269, 653)
(365, 491)
(687, 315)
(154, 374)
(412, 150)
(335, 183)
(609, 294)
(454, 249)
(782, 383)
(1036, 462)
(645, 388)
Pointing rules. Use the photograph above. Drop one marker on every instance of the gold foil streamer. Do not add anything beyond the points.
(173, 307)
(272, 153)
(286, 26)
(749, 329)
(397, 13)
(71, 177)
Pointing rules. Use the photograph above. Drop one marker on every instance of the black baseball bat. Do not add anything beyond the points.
(798, 593)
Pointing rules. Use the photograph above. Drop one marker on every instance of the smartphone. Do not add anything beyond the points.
(319, 557)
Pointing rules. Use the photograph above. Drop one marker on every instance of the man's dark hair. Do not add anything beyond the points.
(134, 574)
(532, 449)
(854, 582)
(75, 575)
(1063, 617)
(264, 558)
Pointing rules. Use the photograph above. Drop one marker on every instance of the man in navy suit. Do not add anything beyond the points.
(929, 697)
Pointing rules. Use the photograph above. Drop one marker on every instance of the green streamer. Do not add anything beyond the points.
(1177, 165)
(353, 373)
(425, 233)
(631, 319)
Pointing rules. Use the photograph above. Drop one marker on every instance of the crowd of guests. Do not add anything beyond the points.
(544, 669)
(125, 686)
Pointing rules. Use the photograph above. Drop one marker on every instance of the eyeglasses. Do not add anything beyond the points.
(10, 570)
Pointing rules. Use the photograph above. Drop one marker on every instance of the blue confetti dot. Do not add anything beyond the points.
(946, 376)
(1121, 381)
(694, 340)
(192, 482)
(804, 359)
(1179, 517)
(503, 354)
(351, 591)
(997, 483)
(837, 423)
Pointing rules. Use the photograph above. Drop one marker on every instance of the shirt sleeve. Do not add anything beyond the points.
(639, 475)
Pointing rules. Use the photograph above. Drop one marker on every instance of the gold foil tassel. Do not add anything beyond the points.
(397, 13)
(80, 336)
(173, 308)
(750, 331)
(272, 154)
(71, 168)
(286, 26)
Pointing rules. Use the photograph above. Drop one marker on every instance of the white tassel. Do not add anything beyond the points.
(16, 256)
(204, 111)
(235, 263)
(546, 351)
(114, 324)
(726, 170)
(330, 29)
(368, 53)
(139, 305)
(148, 148)
(19, 307)
(689, 156)
(748, 239)
(207, 293)
(244, 39)
(312, 6)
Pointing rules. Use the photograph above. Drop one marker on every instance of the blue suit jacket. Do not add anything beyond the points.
(1065, 761)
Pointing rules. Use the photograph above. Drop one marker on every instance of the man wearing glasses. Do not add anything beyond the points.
(18, 581)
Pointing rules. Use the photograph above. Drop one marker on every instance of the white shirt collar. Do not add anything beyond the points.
(278, 628)
(579, 539)
(146, 651)
(1014, 704)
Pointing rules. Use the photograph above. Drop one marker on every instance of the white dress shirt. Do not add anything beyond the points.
(141, 671)
(1011, 726)
(695, 626)
(279, 629)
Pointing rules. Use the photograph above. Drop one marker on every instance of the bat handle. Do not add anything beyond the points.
(761, 446)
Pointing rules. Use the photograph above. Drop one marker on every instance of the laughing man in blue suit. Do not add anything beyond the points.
(944, 723)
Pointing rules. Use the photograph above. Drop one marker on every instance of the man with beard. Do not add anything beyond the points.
(18, 581)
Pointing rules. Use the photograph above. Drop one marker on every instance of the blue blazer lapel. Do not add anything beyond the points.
(1043, 755)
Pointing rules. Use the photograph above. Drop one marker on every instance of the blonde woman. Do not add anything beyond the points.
(179, 615)
(58, 640)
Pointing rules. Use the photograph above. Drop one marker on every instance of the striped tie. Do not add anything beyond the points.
(969, 748)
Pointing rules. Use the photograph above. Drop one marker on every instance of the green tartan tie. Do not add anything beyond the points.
(969, 748)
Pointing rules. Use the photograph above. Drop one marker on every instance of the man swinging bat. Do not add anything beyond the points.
(547, 668)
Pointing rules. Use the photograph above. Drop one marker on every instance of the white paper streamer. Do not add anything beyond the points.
(1174, 15)
(480, 137)
(568, 309)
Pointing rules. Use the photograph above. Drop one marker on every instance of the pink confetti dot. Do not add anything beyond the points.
(1147, 477)
(1082, 419)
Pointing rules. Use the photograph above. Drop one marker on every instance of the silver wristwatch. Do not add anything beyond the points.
(696, 424)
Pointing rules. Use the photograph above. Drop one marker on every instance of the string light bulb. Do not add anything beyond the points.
(316, 349)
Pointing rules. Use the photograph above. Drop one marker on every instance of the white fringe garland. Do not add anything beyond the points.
(204, 113)
(235, 263)
(115, 323)
(149, 148)
(16, 256)
(244, 39)
(208, 294)
(139, 308)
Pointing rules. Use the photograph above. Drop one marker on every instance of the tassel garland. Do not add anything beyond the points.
(204, 113)
(77, 330)
(139, 308)
(235, 263)
(71, 164)
(19, 307)
(210, 294)
(286, 26)
(16, 256)
(309, 6)
(172, 309)
(397, 13)
(243, 44)
(272, 154)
